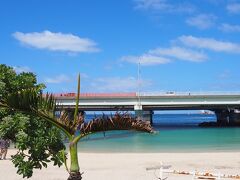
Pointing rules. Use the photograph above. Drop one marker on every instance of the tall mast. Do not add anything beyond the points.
(139, 84)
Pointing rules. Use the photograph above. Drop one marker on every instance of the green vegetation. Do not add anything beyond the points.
(38, 142)
(43, 107)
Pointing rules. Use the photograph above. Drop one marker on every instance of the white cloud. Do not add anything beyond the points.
(118, 84)
(84, 75)
(20, 69)
(56, 41)
(202, 21)
(193, 53)
(233, 8)
(180, 53)
(229, 28)
(210, 43)
(146, 59)
(225, 75)
(152, 4)
(58, 79)
(163, 6)
(215, 2)
(161, 56)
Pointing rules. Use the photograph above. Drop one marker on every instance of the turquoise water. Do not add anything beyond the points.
(174, 133)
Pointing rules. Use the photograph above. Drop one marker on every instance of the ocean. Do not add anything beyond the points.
(174, 133)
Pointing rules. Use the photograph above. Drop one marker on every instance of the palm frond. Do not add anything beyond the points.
(24, 100)
(47, 102)
(64, 118)
(29, 100)
(116, 122)
(32, 102)
(75, 118)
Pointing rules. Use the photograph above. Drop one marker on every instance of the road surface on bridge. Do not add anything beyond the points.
(150, 101)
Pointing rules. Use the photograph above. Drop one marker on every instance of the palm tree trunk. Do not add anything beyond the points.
(74, 173)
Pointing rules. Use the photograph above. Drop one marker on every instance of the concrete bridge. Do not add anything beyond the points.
(225, 105)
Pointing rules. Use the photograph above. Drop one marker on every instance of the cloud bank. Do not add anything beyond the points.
(146, 59)
(229, 28)
(164, 6)
(56, 41)
(118, 84)
(62, 78)
(202, 21)
(20, 69)
(210, 44)
(166, 55)
(180, 53)
(233, 8)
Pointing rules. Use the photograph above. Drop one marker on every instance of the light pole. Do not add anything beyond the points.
(139, 84)
(138, 107)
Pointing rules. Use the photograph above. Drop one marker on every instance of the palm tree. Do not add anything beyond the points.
(32, 102)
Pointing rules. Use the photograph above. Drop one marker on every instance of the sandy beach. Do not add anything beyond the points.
(131, 166)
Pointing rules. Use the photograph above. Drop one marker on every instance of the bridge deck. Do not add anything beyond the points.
(127, 101)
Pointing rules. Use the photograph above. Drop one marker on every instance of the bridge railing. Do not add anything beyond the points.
(160, 93)
(130, 94)
(173, 93)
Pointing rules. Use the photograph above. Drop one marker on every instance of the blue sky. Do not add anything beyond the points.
(181, 45)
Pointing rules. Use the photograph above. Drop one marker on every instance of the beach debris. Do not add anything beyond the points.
(195, 174)
(162, 169)
(200, 177)
(158, 167)
(205, 175)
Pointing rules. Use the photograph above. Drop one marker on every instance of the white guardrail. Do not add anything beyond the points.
(173, 93)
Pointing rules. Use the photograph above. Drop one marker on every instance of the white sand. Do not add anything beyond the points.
(132, 166)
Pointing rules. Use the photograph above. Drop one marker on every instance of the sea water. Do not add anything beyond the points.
(174, 133)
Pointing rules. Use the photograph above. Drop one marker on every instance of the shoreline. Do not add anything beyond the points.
(131, 166)
(145, 152)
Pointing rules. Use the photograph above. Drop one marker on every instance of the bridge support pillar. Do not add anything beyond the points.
(222, 117)
(143, 115)
(148, 116)
(138, 111)
(234, 117)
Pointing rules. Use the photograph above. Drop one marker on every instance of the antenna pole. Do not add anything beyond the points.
(139, 84)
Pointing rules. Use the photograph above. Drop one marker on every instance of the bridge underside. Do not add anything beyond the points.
(212, 107)
(226, 115)
(225, 106)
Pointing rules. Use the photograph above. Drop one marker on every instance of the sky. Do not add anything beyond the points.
(181, 45)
